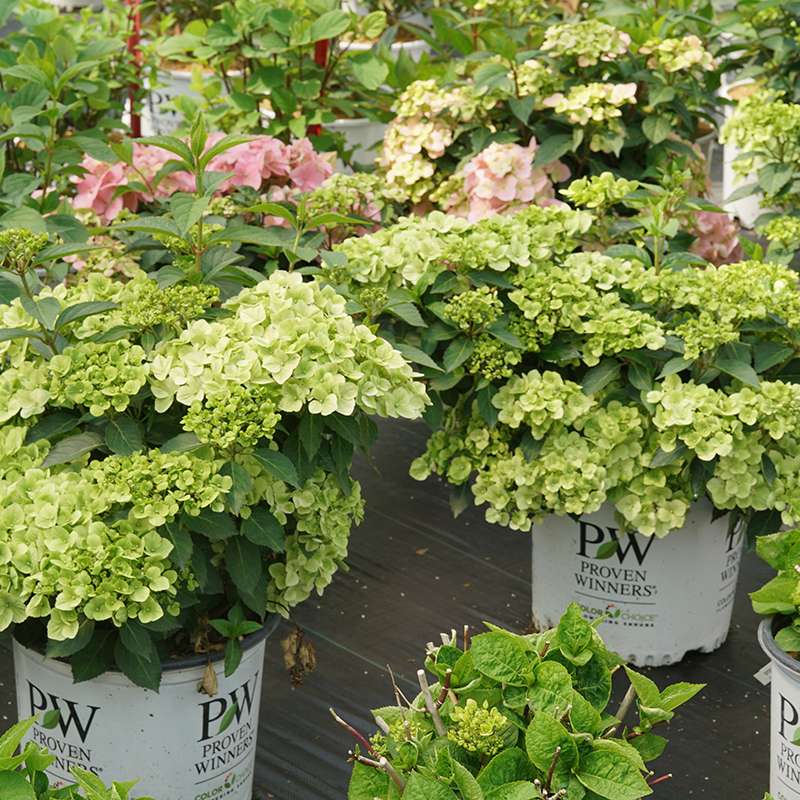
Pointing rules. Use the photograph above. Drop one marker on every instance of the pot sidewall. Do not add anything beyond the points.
(748, 209)
(169, 741)
(662, 597)
(784, 757)
(361, 135)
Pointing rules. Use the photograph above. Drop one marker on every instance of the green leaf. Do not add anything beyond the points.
(7, 334)
(278, 465)
(82, 311)
(649, 745)
(502, 657)
(458, 351)
(544, 735)
(467, 785)
(71, 646)
(310, 433)
(137, 657)
(769, 354)
(181, 443)
(15, 786)
(72, 447)
(507, 766)
(124, 435)
(214, 525)
(96, 658)
(552, 148)
(369, 70)
(612, 776)
(152, 225)
(656, 128)
(329, 25)
(574, 636)
(420, 788)
(788, 639)
(731, 363)
(679, 693)
(599, 377)
(243, 562)
(417, 356)
(262, 529)
(776, 596)
(182, 544)
(233, 656)
(223, 145)
(647, 692)
(176, 146)
(407, 312)
(518, 790)
(227, 717)
(53, 425)
(661, 458)
(552, 692)
(773, 177)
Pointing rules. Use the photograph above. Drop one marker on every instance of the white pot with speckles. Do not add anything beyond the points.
(659, 597)
(169, 741)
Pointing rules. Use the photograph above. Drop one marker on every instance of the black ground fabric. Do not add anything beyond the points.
(414, 572)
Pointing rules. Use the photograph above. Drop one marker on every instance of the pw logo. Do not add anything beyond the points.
(594, 536)
(70, 713)
(789, 717)
(241, 699)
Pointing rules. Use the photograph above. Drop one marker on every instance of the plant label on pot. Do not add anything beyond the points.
(784, 769)
(658, 597)
(180, 744)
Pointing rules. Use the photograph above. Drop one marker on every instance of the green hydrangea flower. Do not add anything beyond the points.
(478, 729)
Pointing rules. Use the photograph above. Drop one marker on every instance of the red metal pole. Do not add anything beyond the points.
(134, 40)
(321, 50)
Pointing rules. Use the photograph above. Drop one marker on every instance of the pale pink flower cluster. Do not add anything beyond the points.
(717, 238)
(502, 178)
(263, 161)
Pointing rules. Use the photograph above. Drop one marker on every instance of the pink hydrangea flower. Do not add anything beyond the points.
(717, 238)
(258, 163)
(96, 189)
(502, 178)
(308, 169)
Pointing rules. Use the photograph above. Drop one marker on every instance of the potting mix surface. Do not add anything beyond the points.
(414, 570)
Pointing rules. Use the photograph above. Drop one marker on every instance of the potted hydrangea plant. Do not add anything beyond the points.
(518, 716)
(779, 636)
(575, 97)
(176, 475)
(603, 399)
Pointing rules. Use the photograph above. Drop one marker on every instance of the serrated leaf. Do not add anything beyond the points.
(264, 530)
(457, 352)
(71, 448)
(243, 562)
(124, 435)
(277, 464)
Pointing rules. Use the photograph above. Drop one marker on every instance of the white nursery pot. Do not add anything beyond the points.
(784, 757)
(157, 119)
(169, 741)
(748, 209)
(662, 597)
(70, 5)
(361, 135)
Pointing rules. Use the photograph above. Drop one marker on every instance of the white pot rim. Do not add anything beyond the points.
(175, 664)
(766, 638)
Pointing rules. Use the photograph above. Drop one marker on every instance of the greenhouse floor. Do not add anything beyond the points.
(414, 571)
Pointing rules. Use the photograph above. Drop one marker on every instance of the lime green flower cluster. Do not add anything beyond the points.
(149, 305)
(18, 248)
(533, 78)
(362, 193)
(474, 309)
(412, 253)
(478, 728)
(598, 105)
(323, 515)
(766, 129)
(98, 376)
(599, 191)
(239, 417)
(491, 358)
(588, 42)
(61, 559)
(296, 336)
(155, 486)
(675, 54)
(541, 400)
(783, 230)
(704, 333)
